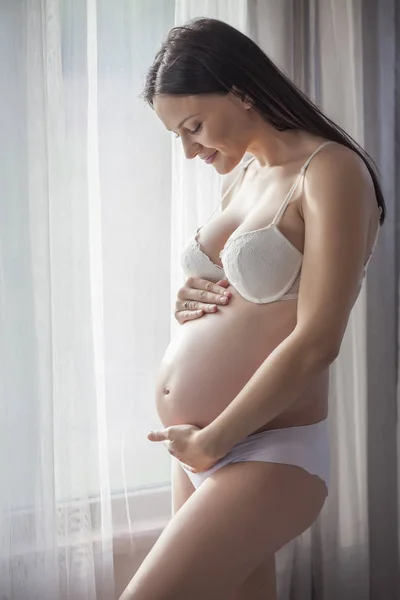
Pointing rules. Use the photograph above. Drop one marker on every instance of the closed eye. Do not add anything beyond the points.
(194, 131)
(197, 130)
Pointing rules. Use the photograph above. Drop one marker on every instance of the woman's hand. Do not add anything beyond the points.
(199, 296)
(189, 444)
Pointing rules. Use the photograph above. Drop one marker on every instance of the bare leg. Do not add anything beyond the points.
(182, 487)
(241, 515)
(260, 584)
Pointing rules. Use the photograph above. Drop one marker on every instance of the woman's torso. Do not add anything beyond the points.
(211, 359)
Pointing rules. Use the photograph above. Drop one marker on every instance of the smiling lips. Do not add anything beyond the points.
(209, 159)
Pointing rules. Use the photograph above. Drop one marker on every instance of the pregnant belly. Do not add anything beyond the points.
(210, 359)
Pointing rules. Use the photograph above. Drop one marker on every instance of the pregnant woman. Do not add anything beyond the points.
(242, 391)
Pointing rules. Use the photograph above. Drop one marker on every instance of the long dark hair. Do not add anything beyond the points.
(208, 56)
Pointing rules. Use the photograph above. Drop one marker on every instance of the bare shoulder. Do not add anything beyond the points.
(335, 156)
(338, 174)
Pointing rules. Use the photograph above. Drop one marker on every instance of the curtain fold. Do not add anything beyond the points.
(85, 292)
(54, 544)
(381, 75)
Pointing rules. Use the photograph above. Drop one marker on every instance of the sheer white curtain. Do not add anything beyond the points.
(53, 544)
(85, 289)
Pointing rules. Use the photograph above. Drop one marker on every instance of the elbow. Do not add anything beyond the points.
(326, 355)
(318, 358)
(319, 354)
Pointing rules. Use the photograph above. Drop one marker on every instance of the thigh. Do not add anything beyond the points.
(260, 584)
(182, 487)
(241, 515)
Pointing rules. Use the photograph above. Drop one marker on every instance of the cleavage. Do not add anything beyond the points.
(214, 237)
(217, 233)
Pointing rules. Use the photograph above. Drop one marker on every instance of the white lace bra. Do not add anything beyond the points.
(262, 265)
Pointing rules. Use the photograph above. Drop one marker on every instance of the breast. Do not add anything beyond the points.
(195, 263)
(211, 359)
(263, 265)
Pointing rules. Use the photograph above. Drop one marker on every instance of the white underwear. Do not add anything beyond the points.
(306, 447)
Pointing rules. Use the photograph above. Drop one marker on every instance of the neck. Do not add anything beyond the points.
(272, 147)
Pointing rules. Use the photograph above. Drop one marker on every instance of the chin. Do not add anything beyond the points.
(221, 170)
(226, 166)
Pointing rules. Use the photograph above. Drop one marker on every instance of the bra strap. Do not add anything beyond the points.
(286, 201)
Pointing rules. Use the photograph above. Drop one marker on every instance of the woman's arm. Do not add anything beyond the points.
(338, 202)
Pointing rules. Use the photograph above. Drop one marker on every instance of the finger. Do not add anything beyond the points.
(223, 283)
(188, 315)
(192, 305)
(157, 436)
(203, 285)
(200, 299)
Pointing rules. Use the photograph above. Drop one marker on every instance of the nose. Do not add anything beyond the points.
(190, 148)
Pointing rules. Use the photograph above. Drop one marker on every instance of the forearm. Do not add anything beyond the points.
(272, 389)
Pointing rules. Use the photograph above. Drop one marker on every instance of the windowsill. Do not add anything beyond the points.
(142, 515)
(149, 511)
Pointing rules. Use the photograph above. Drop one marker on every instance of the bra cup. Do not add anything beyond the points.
(262, 265)
(197, 264)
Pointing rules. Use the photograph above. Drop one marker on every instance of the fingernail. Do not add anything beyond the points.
(227, 294)
(224, 299)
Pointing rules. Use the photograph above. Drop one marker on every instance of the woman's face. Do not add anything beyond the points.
(209, 125)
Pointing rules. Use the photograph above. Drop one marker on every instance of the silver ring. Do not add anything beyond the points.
(186, 305)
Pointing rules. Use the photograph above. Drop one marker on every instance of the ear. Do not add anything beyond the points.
(244, 98)
(248, 102)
